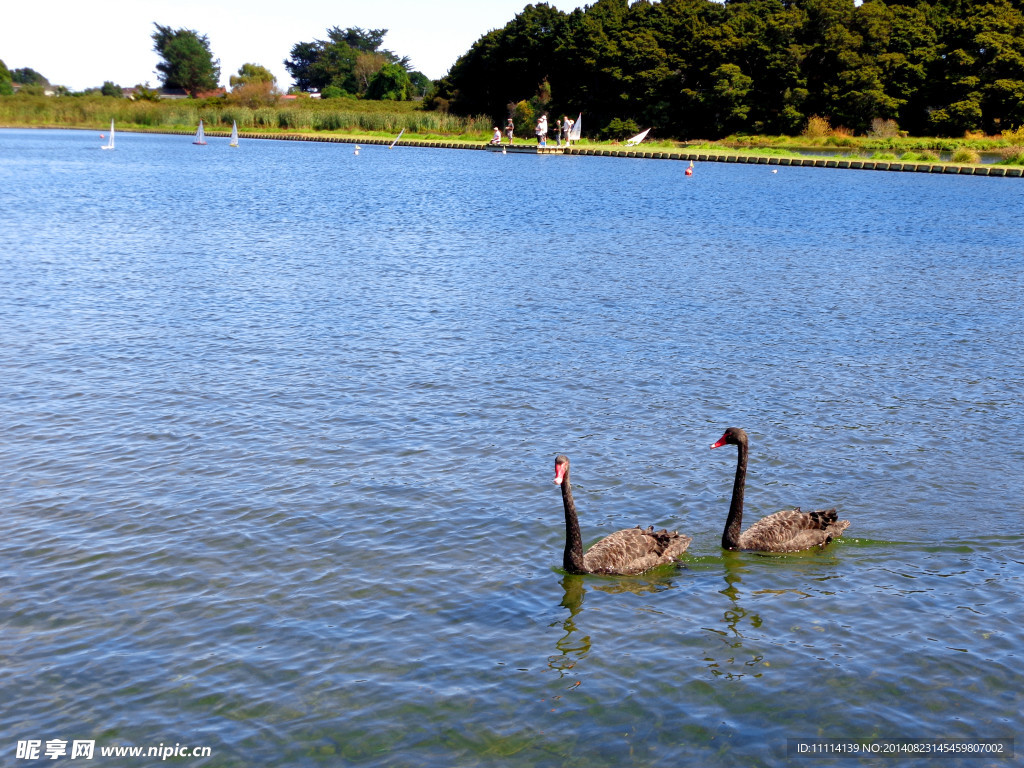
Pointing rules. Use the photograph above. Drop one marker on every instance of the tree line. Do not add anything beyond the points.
(700, 68)
(350, 62)
(25, 76)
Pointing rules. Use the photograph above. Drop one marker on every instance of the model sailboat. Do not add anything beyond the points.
(574, 134)
(234, 134)
(637, 139)
(200, 136)
(110, 141)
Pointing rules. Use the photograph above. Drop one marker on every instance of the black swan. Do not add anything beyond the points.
(788, 531)
(626, 552)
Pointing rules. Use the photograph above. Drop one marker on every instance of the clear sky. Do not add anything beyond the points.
(80, 44)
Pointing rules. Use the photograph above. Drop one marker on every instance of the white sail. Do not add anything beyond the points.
(110, 141)
(574, 134)
(234, 134)
(637, 139)
(397, 138)
(200, 136)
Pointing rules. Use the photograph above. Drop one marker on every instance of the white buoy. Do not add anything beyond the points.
(775, 170)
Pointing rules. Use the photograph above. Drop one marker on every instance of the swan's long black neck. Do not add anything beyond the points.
(572, 559)
(734, 523)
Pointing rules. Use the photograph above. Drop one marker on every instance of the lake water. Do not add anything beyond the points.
(277, 433)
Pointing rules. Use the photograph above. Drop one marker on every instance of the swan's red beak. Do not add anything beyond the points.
(559, 473)
(720, 443)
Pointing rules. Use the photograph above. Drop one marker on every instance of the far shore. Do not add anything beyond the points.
(809, 157)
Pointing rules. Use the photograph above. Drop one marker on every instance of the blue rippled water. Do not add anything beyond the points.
(277, 430)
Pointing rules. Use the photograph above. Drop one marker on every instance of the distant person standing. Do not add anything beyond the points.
(542, 131)
(510, 129)
(558, 133)
(566, 129)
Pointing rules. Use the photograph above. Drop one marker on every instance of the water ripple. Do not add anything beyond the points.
(277, 432)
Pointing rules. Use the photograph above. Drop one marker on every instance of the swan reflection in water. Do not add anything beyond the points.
(572, 648)
(742, 647)
(731, 662)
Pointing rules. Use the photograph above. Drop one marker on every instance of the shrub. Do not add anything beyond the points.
(925, 156)
(620, 129)
(817, 128)
(1012, 155)
(884, 129)
(966, 155)
(437, 104)
(523, 118)
(254, 95)
(840, 141)
(1014, 135)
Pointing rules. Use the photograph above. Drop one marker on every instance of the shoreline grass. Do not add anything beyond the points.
(360, 119)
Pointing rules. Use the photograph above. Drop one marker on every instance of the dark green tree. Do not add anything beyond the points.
(187, 60)
(390, 83)
(365, 40)
(144, 93)
(28, 76)
(251, 73)
(347, 59)
(6, 86)
(589, 72)
(316, 65)
(981, 67)
(901, 42)
(506, 65)
(703, 68)
(111, 89)
(420, 85)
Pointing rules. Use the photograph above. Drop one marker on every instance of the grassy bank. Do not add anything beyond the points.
(345, 115)
(379, 119)
(1008, 148)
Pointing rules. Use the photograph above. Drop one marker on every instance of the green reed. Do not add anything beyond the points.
(343, 115)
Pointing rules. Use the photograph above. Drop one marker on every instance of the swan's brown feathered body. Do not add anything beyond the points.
(626, 552)
(788, 531)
